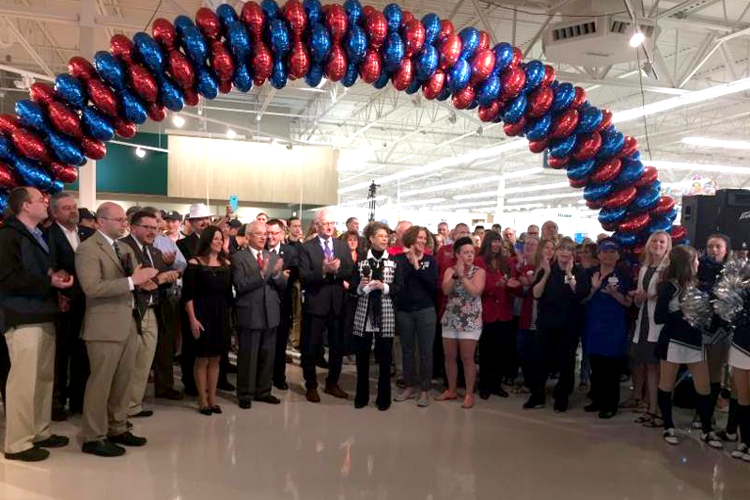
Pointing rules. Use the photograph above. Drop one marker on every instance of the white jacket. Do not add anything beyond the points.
(653, 329)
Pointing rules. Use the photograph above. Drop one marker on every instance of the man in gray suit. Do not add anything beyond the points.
(259, 280)
(108, 275)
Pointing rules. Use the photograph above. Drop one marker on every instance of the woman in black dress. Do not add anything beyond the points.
(207, 293)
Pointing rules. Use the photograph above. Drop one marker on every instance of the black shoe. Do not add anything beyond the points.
(360, 404)
(30, 455)
(216, 409)
(484, 394)
(54, 441)
(606, 414)
(592, 408)
(142, 414)
(246, 404)
(74, 408)
(501, 392)
(225, 385)
(128, 439)
(271, 400)
(205, 410)
(104, 448)
(282, 386)
(59, 415)
(533, 403)
(170, 393)
(561, 405)
(383, 406)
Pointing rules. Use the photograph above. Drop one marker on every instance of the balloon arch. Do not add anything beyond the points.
(53, 132)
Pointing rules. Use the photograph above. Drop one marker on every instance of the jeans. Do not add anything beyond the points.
(383, 350)
(492, 346)
(605, 382)
(417, 330)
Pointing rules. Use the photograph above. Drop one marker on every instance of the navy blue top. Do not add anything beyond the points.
(606, 327)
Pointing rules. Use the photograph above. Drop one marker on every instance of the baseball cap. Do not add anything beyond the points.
(85, 213)
(172, 215)
(235, 223)
(609, 244)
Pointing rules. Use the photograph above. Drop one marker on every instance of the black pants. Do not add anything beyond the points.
(71, 360)
(282, 337)
(255, 362)
(509, 363)
(312, 340)
(557, 352)
(383, 354)
(605, 381)
(491, 353)
(168, 319)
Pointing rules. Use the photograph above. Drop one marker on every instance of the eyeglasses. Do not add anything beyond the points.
(147, 228)
(274, 233)
(326, 224)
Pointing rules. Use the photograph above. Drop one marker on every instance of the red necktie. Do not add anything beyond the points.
(260, 261)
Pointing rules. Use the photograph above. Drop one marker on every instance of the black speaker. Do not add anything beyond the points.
(727, 212)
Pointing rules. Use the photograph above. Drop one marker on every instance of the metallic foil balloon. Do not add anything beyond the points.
(469, 42)
(393, 51)
(96, 125)
(630, 173)
(142, 83)
(659, 223)
(607, 171)
(596, 205)
(540, 101)
(579, 99)
(71, 90)
(182, 23)
(122, 48)
(133, 109)
(665, 205)
(482, 65)
(413, 87)
(649, 176)
(578, 184)
(539, 129)
(262, 65)
(459, 75)
(207, 86)
(337, 64)
(463, 98)
(356, 44)
(369, 69)
(431, 24)
(581, 170)
(534, 75)
(149, 52)
(164, 33)
(634, 223)
(629, 147)
(65, 173)
(56, 187)
(427, 62)
(278, 35)
(299, 60)
(81, 68)
(513, 81)
(238, 40)
(279, 75)
(31, 115)
(589, 120)
(42, 93)
(254, 18)
(515, 109)
(377, 29)
(549, 75)
(613, 142)
(7, 179)
(678, 233)
(29, 144)
(646, 200)
(403, 77)
(350, 77)
(157, 112)
(320, 43)
(432, 88)
(561, 148)
(314, 10)
(393, 14)
(490, 112)
(208, 22)
(314, 76)
(181, 69)
(353, 11)
(270, 9)
(171, 95)
(489, 91)
(195, 45)
(191, 99)
(606, 120)
(226, 14)
(382, 80)
(444, 94)
(109, 69)
(537, 147)
(96, 150)
(515, 129)
(587, 146)
(8, 123)
(221, 61)
(450, 51)
(626, 240)
(564, 95)
(597, 192)
(414, 37)
(64, 120)
(7, 151)
(612, 215)
(33, 174)
(503, 57)
(65, 150)
(621, 198)
(446, 30)
(337, 22)
(126, 129)
(484, 41)
(406, 18)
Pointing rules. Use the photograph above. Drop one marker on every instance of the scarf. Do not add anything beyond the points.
(375, 260)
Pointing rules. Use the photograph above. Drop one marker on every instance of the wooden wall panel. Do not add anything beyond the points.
(254, 172)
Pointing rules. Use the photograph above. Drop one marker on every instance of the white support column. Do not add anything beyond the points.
(87, 173)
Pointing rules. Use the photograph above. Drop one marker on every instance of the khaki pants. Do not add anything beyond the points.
(105, 404)
(28, 408)
(296, 314)
(144, 358)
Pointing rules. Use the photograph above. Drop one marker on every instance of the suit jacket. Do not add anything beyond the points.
(63, 255)
(258, 299)
(104, 280)
(189, 246)
(323, 293)
(143, 297)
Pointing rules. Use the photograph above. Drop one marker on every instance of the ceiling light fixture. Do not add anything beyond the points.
(231, 134)
(716, 143)
(637, 39)
(140, 152)
(178, 121)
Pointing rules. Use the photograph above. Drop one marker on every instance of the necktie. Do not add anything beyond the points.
(260, 261)
(116, 246)
(273, 252)
(327, 250)
(148, 256)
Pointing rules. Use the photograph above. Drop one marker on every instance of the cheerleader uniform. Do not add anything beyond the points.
(739, 357)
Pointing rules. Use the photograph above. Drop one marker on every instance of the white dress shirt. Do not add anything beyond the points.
(71, 236)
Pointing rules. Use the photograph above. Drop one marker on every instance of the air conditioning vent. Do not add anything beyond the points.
(624, 27)
(574, 31)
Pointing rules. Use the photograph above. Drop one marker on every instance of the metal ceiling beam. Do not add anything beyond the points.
(701, 56)
(686, 7)
(266, 102)
(538, 34)
(39, 60)
(619, 82)
(485, 21)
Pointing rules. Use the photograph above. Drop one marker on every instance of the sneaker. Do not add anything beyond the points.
(406, 394)
(533, 403)
(424, 400)
(670, 436)
(561, 405)
(727, 436)
(712, 440)
(696, 424)
(740, 451)
(746, 457)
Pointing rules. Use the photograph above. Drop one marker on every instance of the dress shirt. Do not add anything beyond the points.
(167, 245)
(71, 236)
(145, 251)
(276, 249)
(112, 244)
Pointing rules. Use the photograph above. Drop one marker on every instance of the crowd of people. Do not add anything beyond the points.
(93, 303)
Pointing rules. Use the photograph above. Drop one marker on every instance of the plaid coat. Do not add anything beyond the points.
(393, 277)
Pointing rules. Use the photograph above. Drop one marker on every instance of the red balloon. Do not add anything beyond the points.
(262, 61)
(122, 48)
(337, 61)
(482, 65)
(579, 99)
(432, 87)
(513, 81)
(555, 162)
(564, 124)
(549, 75)
(64, 119)
(164, 33)
(337, 22)
(221, 60)
(124, 128)
(450, 51)
(156, 112)
(446, 30)
(92, 148)
(665, 205)
(630, 146)
(8, 123)
(606, 120)
(406, 18)
(484, 41)
(254, 18)
(299, 61)
(489, 113)
(517, 57)
(638, 249)
(596, 205)
(514, 129)
(208, 22)
(369, 69)
(143, 83)
(607, 226)
(42, 93)
(191, 97)
(102, 97)
(225, 86)
(403, 77)
(29, 144)
(538, 146)
(64, 173)
(679, 233)
(634, 223)
(578, 183)
(606, 171)
(464, 97)
(377, 29)
(649, 175)
(540, 101)
(621, 198)
(587, 146)
(414, 37)
(79, 67)
(367, 11)
(181, 69)
(7, 179)
(296, 16)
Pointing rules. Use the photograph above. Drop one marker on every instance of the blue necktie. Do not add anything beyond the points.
(327, 250)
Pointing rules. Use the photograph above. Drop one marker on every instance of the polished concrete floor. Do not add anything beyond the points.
(330, 451)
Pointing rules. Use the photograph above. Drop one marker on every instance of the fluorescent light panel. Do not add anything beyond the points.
(545, 197)
(452, 185)
(716, 143)
(361, 201)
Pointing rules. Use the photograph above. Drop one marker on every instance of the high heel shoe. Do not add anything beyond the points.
(468, 402)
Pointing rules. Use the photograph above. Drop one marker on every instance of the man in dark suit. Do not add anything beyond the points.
(288, 253)
(324, 264)
(143, 229)
(259, 280)
(63, 238)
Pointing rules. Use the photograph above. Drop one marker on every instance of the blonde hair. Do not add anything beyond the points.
(647, 260)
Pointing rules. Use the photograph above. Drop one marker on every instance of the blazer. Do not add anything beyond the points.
(654, 330)
(258, 300)
(142, 297)
(189, 246)
(63, 256)
(104, 280)
(323, 294)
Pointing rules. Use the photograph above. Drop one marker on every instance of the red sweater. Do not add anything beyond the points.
(528, 307)
(497, 298)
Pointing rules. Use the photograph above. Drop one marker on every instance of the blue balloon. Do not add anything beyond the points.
(56, 187)
(350, 77)
(427, 62)
(539, 129)
(33, 174)
(110, 69)
(660, 224)
(227, 15)
(611, 145)
(635, 156)
(596, 192)
(564, 94)
(242, 78)
(590, 118)
(581, 170)
(611, 215)
(560, 148)
(238, 40)
(503, 57)
(279, 36)
(150, 52)
(7, 151)
(353, 11)
(65, 149)
(70, 90)
(534, 75)
(182, 22)
(356, 44)
(314, 11)
(3, 202)
(654, 185)
(431, 27)
(207, 84)
(314, 76)
(631, 171)
(271, 9)
(382, 80)
(320, 43)
(444, 94)
(489, 91)
(171, 94)
(671, 215)
(133, 109)
(96, 124)
(31, 115)
(473, 104)
(393, 14)
(278, 77)
(414, 86)
(195, 45)
(646, 200)
(459, 75)
(393, 50)
(626, 240)
(515, 110)
(469, 42)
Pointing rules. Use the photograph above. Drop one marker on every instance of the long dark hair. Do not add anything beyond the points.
(204, 245)
(496, 261)
(680, 268)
